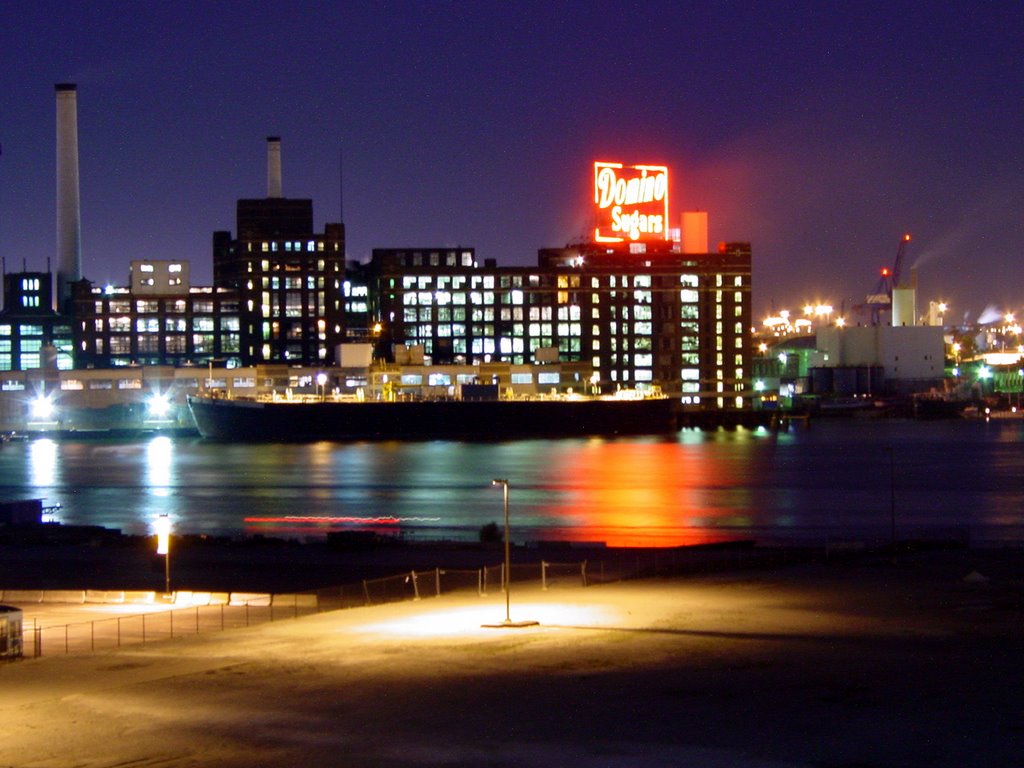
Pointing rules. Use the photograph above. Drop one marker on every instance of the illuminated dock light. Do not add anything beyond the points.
(159, 406)
(42, 408)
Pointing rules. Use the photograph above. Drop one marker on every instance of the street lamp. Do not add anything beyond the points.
(321, 381)
(508, 564)
(163, 547)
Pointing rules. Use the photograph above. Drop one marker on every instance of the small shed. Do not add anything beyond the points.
(10, 632)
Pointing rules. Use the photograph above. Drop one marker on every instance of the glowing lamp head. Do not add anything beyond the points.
(321, 378)
(42, 407)
(159, 405)
(163, 534)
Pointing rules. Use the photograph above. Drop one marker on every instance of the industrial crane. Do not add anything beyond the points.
(881, 299)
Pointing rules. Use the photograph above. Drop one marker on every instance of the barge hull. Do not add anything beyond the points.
(281, 421)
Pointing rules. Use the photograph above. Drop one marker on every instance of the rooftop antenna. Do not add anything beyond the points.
(341, 184)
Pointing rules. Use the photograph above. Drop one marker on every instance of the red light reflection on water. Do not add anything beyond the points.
(313, 524)
(638, 494)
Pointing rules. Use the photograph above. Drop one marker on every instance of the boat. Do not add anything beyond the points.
(938, 405)
(277, 418)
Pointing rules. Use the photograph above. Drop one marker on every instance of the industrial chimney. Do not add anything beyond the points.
(69, 217)
(273, 166)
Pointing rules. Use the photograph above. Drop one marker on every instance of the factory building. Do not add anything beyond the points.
(158, 319)
(637, 302)
(647, 308)
(32, 335)
(661, 317)
(288, 277)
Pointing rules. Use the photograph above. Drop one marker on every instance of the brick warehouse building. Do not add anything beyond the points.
(651, 306)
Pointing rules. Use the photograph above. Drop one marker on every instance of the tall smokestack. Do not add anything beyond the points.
(273, 166)
(69, 216)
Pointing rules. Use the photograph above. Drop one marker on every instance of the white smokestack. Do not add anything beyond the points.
(69, 217)
(273, 166)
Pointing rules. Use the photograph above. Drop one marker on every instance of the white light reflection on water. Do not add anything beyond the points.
(832, 480)
(43, 463)
(159, 460)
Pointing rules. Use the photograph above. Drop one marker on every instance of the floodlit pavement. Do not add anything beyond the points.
(868, 664)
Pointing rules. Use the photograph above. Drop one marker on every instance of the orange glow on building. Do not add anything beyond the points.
(631, 202)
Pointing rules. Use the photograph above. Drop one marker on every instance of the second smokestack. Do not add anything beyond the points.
(274, 166)
(69, 219)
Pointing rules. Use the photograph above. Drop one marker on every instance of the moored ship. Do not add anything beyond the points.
(332, 417)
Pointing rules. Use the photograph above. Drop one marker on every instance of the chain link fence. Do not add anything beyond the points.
(246, 609)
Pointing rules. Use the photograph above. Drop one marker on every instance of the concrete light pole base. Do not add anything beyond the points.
(512, 625)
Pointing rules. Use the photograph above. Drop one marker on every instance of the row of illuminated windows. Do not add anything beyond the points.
(532, 330)
(636, 374)
(437, 258)
(26, 345)
(28, 329)
(174, 344)
(720, 374)
(311, 282)
(445, 379)
(152, 306)
(508, 346)
(518, 297)
(177, 324)
(78, 385)
(621, 281)
(291, 352)
(355, 291)
(31, 361)
(444, 284)
(412, 314)
(720, 281)
(640, 312)
(625, 360)
(720, 342)
(720, 359)
(152, 281)
(736, 297)
(289, 246)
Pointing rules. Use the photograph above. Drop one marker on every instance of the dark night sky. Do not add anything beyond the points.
(820, 132)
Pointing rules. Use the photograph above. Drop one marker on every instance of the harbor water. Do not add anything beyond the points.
(834, 481)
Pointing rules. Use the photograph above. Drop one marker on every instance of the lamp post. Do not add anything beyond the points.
(508, 564)
(163, 547)
(508, 557)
